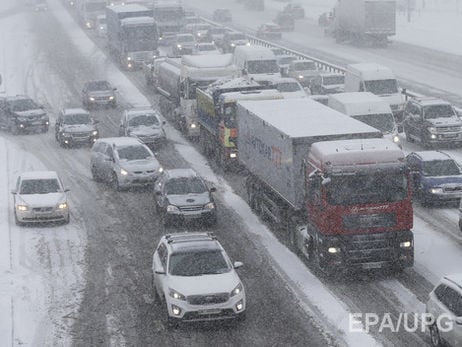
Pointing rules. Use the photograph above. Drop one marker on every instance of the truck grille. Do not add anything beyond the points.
(370, 248)
(208, 299)
(448, 129)
(367, 221)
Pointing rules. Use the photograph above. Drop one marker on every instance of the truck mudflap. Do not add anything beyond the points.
(367, 251)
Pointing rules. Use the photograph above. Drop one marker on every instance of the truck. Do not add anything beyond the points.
(196, 71)
(257, 62)
(88, 10)
(131, 34)
(379, 80)
(170, 19)
(337, 188)
(216, 109)
(168, 85)
(366, 21)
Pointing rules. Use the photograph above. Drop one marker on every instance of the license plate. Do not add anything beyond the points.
(211, 311)
(372, 266)
(191, 216)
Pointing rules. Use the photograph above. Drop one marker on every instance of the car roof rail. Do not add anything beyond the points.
(193, 236)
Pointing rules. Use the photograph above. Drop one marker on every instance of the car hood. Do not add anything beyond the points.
(205, 284)
(334, 88)
(189, 199)
(31, 113)
(140, 165)
(444, 121)
(145, 131)
(294, 95)
(440, 181)
(78, 128)
(101, 93)
(40, 200)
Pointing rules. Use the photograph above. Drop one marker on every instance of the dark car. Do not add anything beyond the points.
(269, 31)
(216, 35)
(295, 10)
(98, 93)
(222, 15)
(436, 177)
(181, 195)
(20, 114)
(431, 121)
(286, 21)
(232, 39)
(75, 126)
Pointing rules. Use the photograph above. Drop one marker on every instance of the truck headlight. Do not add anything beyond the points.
(333, 250)
(94, 132)
(172, 208)
(91, 98)
(209, 206)
(161, 169)
(405, 244)
(22, 207)
(129, 58)
(436, 190)
(233, 155)
(123, 172)
(193, 125)
(233, 45)
(176, 295)
(300, 77)
(111, 98)
(396, 139)
(236, 290)
(178, 46)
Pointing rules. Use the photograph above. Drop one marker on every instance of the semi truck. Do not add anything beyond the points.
(339, 190)
(216, 109)
(364, 20)
(88, 10)
(169, 17)
(131, 34)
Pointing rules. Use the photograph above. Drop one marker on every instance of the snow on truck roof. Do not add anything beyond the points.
(360, 103)
(432, 155)
(208, 61)
(137, 20)
(128, 8)
(254, 52)
(299, 118)
(371, 71)
(359, 152)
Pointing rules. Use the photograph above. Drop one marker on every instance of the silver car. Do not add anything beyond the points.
(143, 124)
(123, 162)
(40, 197)
(75, 126)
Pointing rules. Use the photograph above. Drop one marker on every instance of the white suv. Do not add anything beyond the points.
(194, 279)
(444, 306)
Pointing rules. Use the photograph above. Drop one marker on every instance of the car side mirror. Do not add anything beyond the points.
(164, 122)
(458, 320)
(67, 190)
(238, 264)
(213, 189)
(42, 107)
(95, 121)
(14, 192)
(114, 89)
(159, 271)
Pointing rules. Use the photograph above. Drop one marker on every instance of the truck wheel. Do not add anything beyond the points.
(408, 137)
(14, 130)
(115, 182)
(293, 242)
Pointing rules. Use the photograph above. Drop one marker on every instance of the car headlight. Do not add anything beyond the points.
(436, 190)
(233, 45)
(111, 98)
(300, 76)
(237, 290)
(176, 295)
(209, 206)
(22, 207)
(178, 46)
(405, 244)
(94, 132)
(161, 169)
(333, 250)
(396, 139)
(123, 172)
(91, 98)
(233, 155)
(431, 129)
(129, 58)
(247, 44)
(101, 28)
(193, 125)
(172, 208)
(62, 206)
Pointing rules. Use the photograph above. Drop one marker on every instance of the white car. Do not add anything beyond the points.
(123, 162)
(290, 88)
(444, 312)
(39, 196)
(145, 125)
(205, 48)
(194, 279)
(101, 26)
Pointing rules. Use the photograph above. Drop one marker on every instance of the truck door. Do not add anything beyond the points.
(314, 199)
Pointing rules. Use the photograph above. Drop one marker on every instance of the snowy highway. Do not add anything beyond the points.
(89, 283)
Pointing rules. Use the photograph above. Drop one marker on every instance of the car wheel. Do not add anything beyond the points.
(115, 182)
(165, 221)
(435, 336)
(16, 220)
(67, 219)
(460, 224)
(14, 130)
(167, 321)
(45, 129)
(94, 174)
(408, 137)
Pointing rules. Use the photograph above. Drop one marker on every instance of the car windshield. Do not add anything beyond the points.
(438, 111)
(262, 66)
(144, 119)
(327, 80)
(380, 87)
(383, 122)
(440, 168)
(367, 188)
(40, 186)
(198, 263)
(237, 36)
(286, 60)
(74, 119)
(98, 85)
(206, 48)
(288, 87)
(23, 105)
(185, 185)
(133, 153)
(305, 65)
(185, 38)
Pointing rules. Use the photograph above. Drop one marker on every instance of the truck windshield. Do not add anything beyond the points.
(262, 66)
(369, 188)
(141, 38)
(440, 168)
(329, 80)
(438, 111)
(384, 122)
(165, 15)
(229, 117)
(380, 87)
